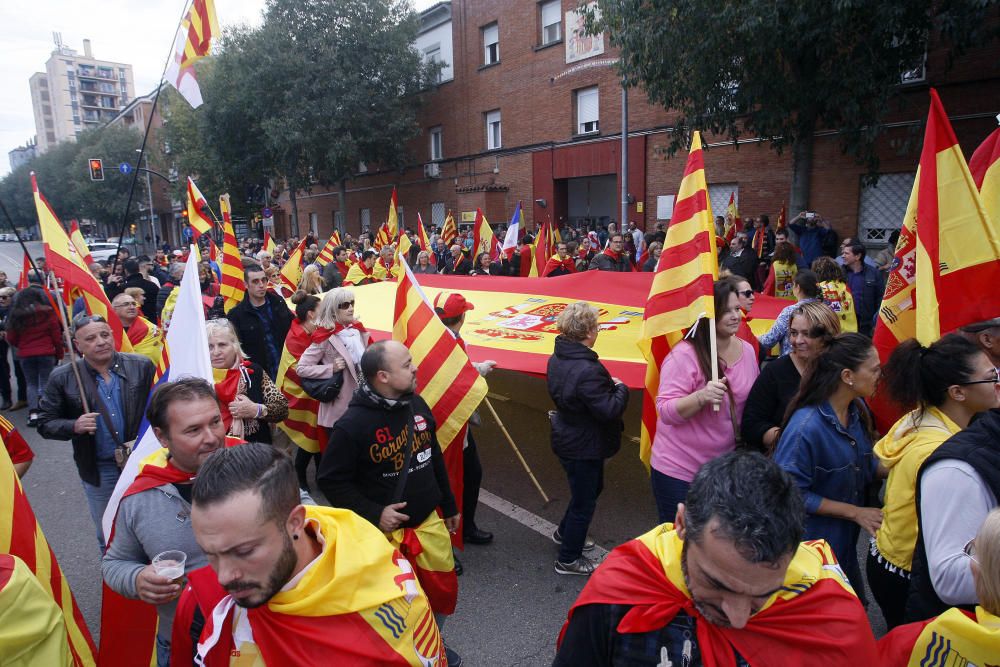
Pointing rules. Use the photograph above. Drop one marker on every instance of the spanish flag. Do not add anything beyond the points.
(300, 425)
(269, 244)
(734, 223)
(682, 289)
(956, 637)
(146, 339)
(196, 205)
(483, 239)
(947, 260)
(21, 536)
(291, 272)
(233, 287)
(985, 168)
(63, 260)
(358, 604)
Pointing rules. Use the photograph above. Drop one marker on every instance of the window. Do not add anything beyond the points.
(51, 137)
(432, 54)
(881, 207)
(314, 223)
(400, 218)
(436, 151)
(338, 220)
(365, 218)
(438, 213)
(491, 44)
(587, 111)
(551, 21)
(493, 130)
(76, 120)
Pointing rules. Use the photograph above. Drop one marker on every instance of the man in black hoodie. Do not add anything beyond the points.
(384, 463)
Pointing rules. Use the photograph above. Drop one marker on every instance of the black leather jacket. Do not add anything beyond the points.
(60, 406)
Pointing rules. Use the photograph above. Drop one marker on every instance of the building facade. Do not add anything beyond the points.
(77, 92)
(527, 109)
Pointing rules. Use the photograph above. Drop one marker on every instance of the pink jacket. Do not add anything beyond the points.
(316, 363)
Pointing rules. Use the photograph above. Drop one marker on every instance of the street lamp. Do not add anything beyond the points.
(149, 192)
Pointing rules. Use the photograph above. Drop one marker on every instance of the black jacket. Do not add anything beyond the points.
(771, 393)
(744, 266)
(149, 288)
(60, 406)
(360, 468)
(250, 328)
(605, 262)
(463, 269)
(587, 423)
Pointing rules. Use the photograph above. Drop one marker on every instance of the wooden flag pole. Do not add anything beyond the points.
(714, 355)
(524, 463)
(69, 342)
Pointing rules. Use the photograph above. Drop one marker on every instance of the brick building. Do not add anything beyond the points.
(527, 110)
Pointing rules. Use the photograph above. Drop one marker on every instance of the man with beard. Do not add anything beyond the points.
(154, 514)
(293, 585)
(728, 584)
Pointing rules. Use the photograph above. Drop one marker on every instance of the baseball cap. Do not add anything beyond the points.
(451, 304)
(976, 327)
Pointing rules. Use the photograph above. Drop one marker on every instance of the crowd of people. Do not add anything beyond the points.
(765, 464)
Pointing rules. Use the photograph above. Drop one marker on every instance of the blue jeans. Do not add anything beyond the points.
(667, 491)
(586, 481)
(98, 496)
(162, 652)
(36, 376)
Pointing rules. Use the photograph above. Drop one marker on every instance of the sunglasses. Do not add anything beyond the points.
(346, 305)
(84, 320)
(746, 294)
(993, 380)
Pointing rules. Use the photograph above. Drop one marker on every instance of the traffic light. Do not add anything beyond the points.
(132, 227)
(96, 169)
(184, 214)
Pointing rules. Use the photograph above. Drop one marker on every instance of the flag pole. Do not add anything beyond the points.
(69, 342)
(142, 148)
(713, 344)
(20, 241)
(489, 406)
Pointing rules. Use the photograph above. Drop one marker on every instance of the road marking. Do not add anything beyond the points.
(530, 520)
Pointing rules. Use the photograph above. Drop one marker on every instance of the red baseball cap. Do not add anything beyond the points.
(451, 304)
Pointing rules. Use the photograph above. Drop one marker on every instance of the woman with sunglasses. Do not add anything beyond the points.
(945, 385)
(337, 345)
(805, 288)
(957, 636)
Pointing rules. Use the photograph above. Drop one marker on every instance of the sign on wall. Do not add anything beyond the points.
(580, 46)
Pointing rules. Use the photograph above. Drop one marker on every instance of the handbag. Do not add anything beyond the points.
(325, 390)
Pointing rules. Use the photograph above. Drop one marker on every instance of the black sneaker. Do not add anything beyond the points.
(454, 659)
(582, 566)
(33, 420)
(588, 544)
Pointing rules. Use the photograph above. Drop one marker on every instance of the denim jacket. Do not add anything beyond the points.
(827, 460)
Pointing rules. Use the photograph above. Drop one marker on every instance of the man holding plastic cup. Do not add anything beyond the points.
(154, 514)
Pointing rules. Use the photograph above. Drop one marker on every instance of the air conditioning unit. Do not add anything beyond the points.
(432, 170)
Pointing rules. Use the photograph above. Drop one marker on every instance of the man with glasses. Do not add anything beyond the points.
(116, 386)
(614, 257)
(261, 321)
(146, 338)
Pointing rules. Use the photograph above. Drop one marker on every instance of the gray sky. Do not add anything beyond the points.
(139, 32)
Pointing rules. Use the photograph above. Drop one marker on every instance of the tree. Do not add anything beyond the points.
(781, 69)
(319, 87)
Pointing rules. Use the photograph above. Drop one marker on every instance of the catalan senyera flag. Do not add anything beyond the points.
(483, 239)
(682, 289)
(446, 379)
(449, 230)
(64, 261)
(192, 43)
(326, 254)
(947, 258)
(233, 287)
(21, 536)
(300, 425)
(79, 242)
(985, 168)
(269, 244)
(200, 223)
(291, 272)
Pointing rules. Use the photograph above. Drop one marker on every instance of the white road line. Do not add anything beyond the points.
(529, 519)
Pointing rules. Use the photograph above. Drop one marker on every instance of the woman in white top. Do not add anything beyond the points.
(337, 345)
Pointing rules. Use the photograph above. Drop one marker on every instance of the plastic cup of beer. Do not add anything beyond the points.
(170, 564)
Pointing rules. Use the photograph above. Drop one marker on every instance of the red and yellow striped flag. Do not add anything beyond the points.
(985, 168)
(300, 425)
(63, 259)
(21, 536)
(335, 237)
(200, 223)
(79, 242)
(446, 379)
(947, 260)
(233, 287)
(449, 231)
(382, 237)
(326, 254)
(291, 272)
(682, 289)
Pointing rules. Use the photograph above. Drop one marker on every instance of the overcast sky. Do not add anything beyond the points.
(138, 32)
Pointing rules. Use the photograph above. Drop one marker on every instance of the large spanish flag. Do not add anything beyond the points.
(682, 283)
(233, 287)
(21, 536)
(985, 168)
(947, 262)
(64, 260)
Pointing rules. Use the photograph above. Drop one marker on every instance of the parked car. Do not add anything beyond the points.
(103, 252)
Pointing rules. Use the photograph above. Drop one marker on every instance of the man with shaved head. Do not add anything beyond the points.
(146, 338)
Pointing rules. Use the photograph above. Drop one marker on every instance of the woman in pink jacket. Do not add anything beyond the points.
(337, 345)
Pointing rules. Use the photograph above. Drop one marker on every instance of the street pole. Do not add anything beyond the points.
(149, 191)
(624, 211)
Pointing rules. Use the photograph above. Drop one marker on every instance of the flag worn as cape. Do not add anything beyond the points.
(956, 637)
(358, 604)
(300, 425)
(22, 536)
(682, 289)
(146, 339)
(816, 613)
(947, 259)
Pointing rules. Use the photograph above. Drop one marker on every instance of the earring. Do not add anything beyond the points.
(850, 384)
(295, 536)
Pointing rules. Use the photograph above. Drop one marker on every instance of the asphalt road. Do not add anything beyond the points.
(511, 603)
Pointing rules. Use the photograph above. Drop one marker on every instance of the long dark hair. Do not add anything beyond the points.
(701, 340)
(918, 376)
(26, 306)
(808, 284)
(822, 377)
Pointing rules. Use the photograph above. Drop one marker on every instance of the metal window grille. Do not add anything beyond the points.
(718, 196)
(881, 207)
(438, 213)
